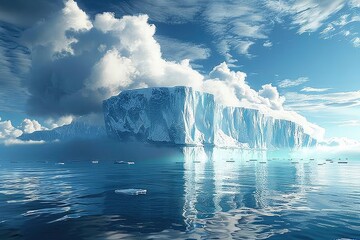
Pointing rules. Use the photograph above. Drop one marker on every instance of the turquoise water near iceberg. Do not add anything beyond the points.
(68, 191)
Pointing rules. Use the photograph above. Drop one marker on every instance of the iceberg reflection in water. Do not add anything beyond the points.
(191, 192)
(267, 197)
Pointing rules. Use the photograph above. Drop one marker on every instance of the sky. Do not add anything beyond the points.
(296, 59)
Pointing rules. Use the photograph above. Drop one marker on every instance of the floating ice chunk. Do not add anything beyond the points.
(124, 162)
(131, 191)
(60, 163)
(120, 162)
(95, 161)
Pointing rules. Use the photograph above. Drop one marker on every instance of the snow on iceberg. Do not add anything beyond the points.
(182, 115)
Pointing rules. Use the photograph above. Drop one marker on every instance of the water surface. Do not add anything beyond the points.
(68, 192)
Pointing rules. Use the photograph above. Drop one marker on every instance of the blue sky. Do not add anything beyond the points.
(309, 50)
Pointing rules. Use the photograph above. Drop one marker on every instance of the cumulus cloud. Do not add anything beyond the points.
(286, 83)
(30, 126)
(9, 133)
(59, 122)
(7, 130)
(85, 61)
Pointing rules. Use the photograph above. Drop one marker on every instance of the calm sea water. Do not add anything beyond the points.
(68, 192)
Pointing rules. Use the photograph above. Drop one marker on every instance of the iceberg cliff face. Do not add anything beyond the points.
(181, 115)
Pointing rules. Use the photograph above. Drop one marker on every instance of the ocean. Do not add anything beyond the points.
(109, 190)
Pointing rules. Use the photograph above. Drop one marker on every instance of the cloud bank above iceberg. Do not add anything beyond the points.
(77, 62)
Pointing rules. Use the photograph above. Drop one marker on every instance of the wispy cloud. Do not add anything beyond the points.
(356, 42)
(177, 50)
(286, 83)
(311, 89)
(14, 68)
(349, 123)
(327, 101)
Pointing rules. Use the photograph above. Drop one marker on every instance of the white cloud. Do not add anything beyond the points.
(311, 89)
(339, 142)
(328, 29)
(7, 130)
(349, 123)
(15, 141)
(267, 44)
(30, 126)
(354, 3)
(286, 83)
(356, 42)
(346, 33)
(242, 47)
(310, 14)
(59, 122)
(327, 101)
(105, 57)
(230, 88)
(52, 33)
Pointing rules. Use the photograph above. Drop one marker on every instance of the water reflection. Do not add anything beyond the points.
(233, 193)
(192, 192)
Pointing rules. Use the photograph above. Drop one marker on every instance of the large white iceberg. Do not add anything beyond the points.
(182, 115)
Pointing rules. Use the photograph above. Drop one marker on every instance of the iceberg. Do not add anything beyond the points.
(75, 130)
(182, 115)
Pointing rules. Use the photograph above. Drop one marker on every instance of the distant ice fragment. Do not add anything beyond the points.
(131, 191)
(120, 162)
(124, 162)
(95, 161)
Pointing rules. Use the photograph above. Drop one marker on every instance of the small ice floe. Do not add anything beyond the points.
(120, 162)
(131, 191)
(94, 161)
(124, 162)
(60, 163)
